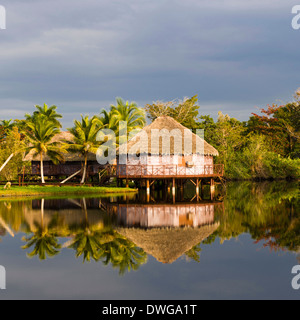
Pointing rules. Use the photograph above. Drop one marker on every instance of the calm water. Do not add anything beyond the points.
(241, 246)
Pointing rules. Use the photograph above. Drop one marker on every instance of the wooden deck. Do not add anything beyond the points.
(165, 171)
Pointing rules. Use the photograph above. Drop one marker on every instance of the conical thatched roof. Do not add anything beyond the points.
(167, 245)
(176, 138)
(68, 156)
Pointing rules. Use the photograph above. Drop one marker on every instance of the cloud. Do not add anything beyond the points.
(146, 50)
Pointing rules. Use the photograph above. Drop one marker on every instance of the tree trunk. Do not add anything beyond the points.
(84, 169)
(42, 169)
(6, 162)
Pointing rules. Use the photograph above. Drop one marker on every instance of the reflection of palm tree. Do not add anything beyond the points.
(85, 243)
(45, 244)
(194, 253)
(121, 252)
(105, 244)
(44, 239)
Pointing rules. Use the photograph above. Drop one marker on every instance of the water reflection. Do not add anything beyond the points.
(122, 232)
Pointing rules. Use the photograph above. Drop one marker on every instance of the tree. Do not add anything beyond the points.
(282, 126)
(128, 113)
(40, 135)
(11, 158)
(85, 140)
(229, 137)
(209, 126)
(184, 111)
(49, 113)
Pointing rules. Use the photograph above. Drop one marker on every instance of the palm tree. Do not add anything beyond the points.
(49, 113)
(40, 135)
(85, 140)
(6, 125)
(131, 114)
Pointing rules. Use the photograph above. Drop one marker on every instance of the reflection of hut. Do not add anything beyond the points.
(167, 245)
(165, 231)
(163, 215)
(73, 162)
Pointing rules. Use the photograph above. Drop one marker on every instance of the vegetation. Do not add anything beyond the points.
(32, 191)
(184, 111)
(267, 146)
(85, 140)
(40, 134)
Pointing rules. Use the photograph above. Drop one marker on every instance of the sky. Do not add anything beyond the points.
(237, 56)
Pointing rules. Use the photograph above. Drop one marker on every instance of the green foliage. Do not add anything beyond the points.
(45, 112)
(185, 111)
(85, 140)
(12, 144)
(123, 113)
(280, 167)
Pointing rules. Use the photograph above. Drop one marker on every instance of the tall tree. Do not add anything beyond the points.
(184, 111)
(49, 113)
(85, 140)
(128, 113)
(282, 125)
(40, 136)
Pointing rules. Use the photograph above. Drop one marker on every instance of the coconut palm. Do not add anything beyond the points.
(131, 114)
(40, 135)
(49, 113)
(7, 125)
(85, 140)
(108, 121)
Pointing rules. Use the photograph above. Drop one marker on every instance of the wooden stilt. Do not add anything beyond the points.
(174, 190)
(197, 189)
(148, 190)
(212, 189)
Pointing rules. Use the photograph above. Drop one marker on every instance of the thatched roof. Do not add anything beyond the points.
(181, 140)
(68, 156)
(168, 244)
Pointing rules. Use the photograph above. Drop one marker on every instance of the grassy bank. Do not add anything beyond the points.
(35, 191)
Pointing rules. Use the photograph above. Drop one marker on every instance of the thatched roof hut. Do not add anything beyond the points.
(73, 162)
(166, 245)
(151, 140)
(68, 156)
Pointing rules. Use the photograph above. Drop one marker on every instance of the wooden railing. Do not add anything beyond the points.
(140, 171)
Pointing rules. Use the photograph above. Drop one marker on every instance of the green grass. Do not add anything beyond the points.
(32, 191)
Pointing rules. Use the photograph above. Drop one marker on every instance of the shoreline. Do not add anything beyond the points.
(39, 191)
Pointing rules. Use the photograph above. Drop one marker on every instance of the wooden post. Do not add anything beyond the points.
(23, 177)
(148, 190)
(212, 189)
(174, 190)
(127, 183)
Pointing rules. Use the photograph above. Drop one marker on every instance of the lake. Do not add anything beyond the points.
(241, 245)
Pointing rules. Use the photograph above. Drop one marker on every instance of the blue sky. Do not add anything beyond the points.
(81, 55)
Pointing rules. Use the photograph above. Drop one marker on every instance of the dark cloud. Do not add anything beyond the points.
(234, 55)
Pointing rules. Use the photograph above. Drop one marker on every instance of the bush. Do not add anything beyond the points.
(278, 167)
